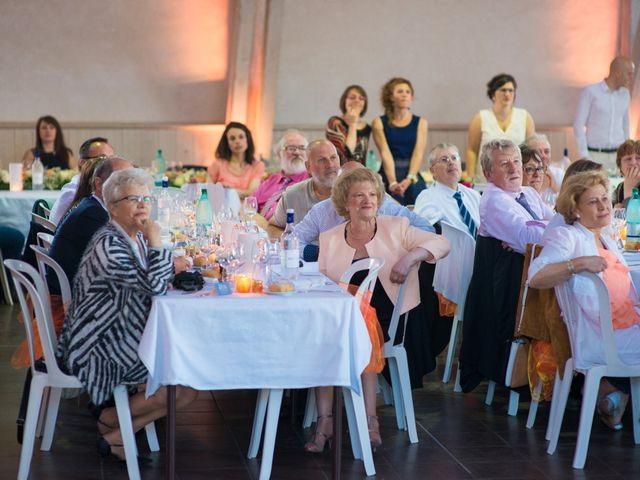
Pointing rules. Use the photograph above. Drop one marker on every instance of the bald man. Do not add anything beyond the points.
(323, 163)
(603, 111)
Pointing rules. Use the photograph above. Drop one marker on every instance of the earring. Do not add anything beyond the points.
(577, 215)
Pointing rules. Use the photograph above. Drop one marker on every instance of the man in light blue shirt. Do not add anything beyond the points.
(323, 217)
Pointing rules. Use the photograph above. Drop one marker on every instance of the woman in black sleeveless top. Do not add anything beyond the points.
(50, 146)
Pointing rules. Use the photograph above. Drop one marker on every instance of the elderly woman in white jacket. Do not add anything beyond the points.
(581, 246)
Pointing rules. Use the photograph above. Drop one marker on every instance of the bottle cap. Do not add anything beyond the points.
(290, 210)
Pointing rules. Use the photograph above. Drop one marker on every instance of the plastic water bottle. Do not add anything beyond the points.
(204, 215)
(633, 222)
(37, 174)
(372, 163)
(291, 248)
(566, 161)
(159, 168)
(165, 204)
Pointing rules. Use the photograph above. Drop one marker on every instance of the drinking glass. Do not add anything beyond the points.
(250, 207)
(618, 220)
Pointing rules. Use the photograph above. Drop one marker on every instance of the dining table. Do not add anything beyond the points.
(15, 207)
(269, 342)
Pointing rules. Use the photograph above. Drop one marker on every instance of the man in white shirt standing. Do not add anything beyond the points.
(91, 149)
(448, 199)
(603, 110)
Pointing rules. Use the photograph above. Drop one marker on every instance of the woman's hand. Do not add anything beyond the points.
(396, 189)
(352, 116)
(593, 264)
(631, 181)
(552, 181)
(401, 269)
(404, 185)
(151, 232)
(181, 264)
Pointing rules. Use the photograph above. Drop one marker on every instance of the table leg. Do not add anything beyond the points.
(170, 474)
(270, 430)
(337, 432)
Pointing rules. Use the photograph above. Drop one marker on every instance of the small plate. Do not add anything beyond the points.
(284, 294)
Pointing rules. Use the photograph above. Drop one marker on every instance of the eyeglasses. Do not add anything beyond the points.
(446, 160)
(137, 199)
(532, 170)
(294, 148)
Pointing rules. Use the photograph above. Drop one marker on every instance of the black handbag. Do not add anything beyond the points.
(188, 281)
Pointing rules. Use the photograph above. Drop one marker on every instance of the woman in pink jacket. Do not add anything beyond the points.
(356, 196)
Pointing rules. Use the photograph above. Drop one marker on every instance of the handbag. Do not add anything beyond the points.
(188, 281)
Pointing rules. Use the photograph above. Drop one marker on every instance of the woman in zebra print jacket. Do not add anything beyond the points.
(123, 267)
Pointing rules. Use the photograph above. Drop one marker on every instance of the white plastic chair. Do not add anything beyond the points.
(45, 240)
(4, 280)
(44, 261)
(373, 265)
(460, 261)
(29, 283)
(269, 400)
(48, 224)
(612, 367)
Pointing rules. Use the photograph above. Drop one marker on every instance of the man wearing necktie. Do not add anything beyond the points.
(448, 199)
(510, 216)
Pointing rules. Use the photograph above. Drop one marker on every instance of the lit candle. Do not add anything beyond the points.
(243, 283)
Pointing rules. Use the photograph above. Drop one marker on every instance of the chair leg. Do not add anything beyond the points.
(635, 408)
(357, 401)
(353, 425)
(33, 409)
(554, 405)
(533, 406)
(407, 398)
(4, 279)
(310, 410)
(457, 388)
(42, 417)
(397, 393)
(491, 390)
(451, 350)
(271, 428)
(514, 399)
(126, 428)
(387, 393)
(258, 422)
(152, 437)
(50, 418)
(561, 404)
(589, 398)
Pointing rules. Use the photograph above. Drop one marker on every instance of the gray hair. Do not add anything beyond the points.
(501, 144)
(277, 148)
(537, 136)
(112, 188)
(441, 146)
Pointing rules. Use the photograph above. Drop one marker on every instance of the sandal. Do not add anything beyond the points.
(104, 428)
(608, 408)
(105, 449)
(374, 431)
(319, 440)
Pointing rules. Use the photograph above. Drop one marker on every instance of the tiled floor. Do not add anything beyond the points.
(460, 438)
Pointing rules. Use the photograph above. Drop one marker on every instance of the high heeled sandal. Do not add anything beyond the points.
(106, 427)
(105, 449)
(608, 407)
(374, 431)
(319, 440)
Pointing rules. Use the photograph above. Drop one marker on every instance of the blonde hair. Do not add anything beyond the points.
(573, 188)
(340, 191)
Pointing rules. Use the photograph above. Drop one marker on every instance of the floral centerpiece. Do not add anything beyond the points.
(178, 178)
(54, 178)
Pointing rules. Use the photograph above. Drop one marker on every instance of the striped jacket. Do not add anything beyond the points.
(111, 300)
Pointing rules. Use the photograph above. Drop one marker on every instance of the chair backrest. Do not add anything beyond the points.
(45, 240)
(49, 225)
(46, 212)
(453, 272)
(28, 283)
(571, 315)
(44, 261)
(372, 264)
(531, 253)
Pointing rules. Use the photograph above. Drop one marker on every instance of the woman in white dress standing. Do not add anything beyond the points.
(502, 120)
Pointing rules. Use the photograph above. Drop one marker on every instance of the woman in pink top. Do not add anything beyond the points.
(235, 165)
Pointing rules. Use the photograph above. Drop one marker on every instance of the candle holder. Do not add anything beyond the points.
(243, 283)
(15, 177)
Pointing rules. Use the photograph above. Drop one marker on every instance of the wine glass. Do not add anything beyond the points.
(618, 220)
(250, 207)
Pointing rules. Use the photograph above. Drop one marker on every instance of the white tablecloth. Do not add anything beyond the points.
(255, 341)
(15, 207)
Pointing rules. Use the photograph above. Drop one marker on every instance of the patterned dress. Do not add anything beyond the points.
(336, 133)
(111, 301)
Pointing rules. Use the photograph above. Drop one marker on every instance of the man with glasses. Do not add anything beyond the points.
(448, 199)
(75, 232)
(91, 149)
(323, 162)
(291, 154)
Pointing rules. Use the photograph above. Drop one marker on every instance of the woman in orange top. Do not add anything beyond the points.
(235, 165)
(356, 196)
